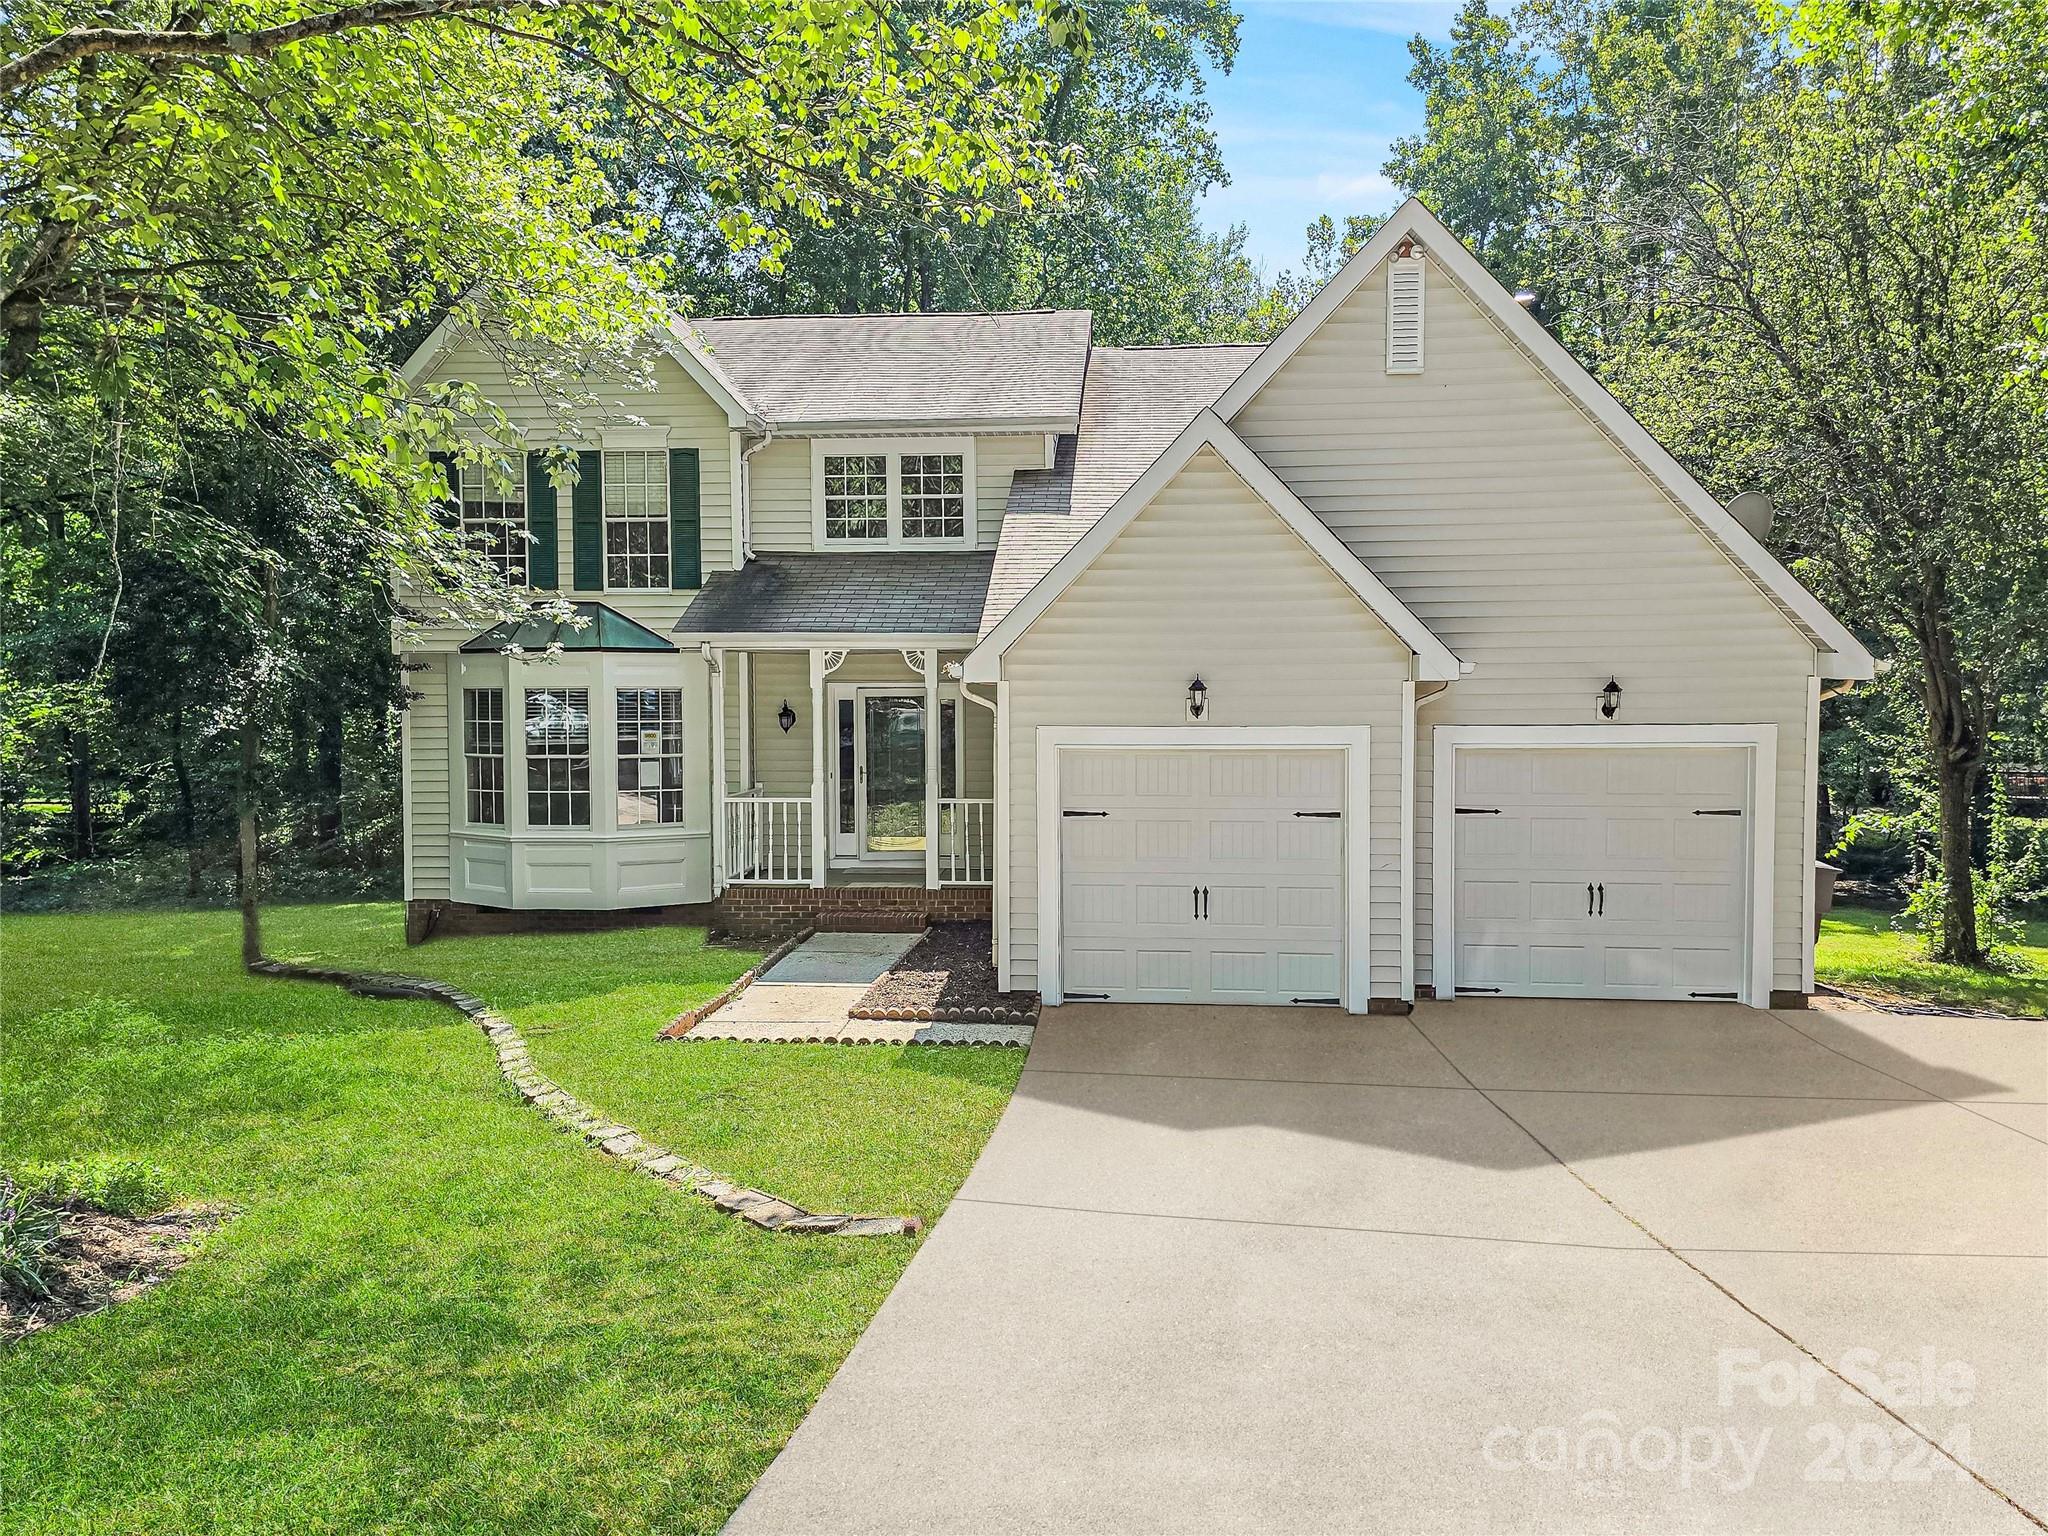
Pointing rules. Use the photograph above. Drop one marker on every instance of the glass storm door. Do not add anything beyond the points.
(890, 783)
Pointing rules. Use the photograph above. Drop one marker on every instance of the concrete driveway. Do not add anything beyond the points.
(1507, 1266)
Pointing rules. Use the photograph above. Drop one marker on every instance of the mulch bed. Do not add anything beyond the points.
(948, 977)
(104, 1259)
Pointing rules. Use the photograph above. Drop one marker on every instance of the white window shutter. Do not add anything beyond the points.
(1404, 315)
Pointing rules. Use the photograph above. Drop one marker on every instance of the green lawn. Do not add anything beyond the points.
(435, 1312)
(1861, 951)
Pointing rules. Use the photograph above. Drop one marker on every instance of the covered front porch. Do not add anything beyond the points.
(850, 764)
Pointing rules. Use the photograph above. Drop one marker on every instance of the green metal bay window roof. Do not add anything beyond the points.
(600, 629)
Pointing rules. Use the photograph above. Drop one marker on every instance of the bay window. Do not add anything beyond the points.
(558, 757)
(650, 741)
(483, 755)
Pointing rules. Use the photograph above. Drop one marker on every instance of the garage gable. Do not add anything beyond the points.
(1413, 400)
(1233, 531)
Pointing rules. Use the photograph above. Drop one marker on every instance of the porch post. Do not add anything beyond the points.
(744, 678)
(931, 769)
(715, 658)
(818, 839)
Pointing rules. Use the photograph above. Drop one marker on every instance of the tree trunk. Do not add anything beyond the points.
(252, 919)
(188, 816)
(78, 778)
(252, 757)
(1957, 741)
(327, 774)
(1960, 942)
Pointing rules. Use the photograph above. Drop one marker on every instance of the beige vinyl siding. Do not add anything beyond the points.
(429, 751)
(677, 403)
(1535, 549)
(783, 763)
(1208, 579)
(781, 483)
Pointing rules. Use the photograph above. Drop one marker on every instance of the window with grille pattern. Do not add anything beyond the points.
(650, 756)
(635, 519)
(934, 496)
(558, 757)
(857, 496)
(494, 522)
(483, 754)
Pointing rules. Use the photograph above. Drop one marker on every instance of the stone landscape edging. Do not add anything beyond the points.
(690, 1018)
(515, 1065)
(946, 1015)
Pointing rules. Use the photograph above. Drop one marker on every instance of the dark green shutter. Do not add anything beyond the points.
(685, 516)
(450, 511)
(543, 553)
(586, 512)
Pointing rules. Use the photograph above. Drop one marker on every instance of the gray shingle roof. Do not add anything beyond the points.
(1137, 401)
(908, 592)
(925, 368)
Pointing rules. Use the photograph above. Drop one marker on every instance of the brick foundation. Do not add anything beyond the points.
(745, 911)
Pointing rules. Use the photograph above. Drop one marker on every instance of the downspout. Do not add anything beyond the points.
(1413, 701)
(746, 489)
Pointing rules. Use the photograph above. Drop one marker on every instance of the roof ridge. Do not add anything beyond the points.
(1188, 346)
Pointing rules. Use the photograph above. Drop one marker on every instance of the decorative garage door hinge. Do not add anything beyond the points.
(1084, 813)
(1730, 996)
(1494, 990)
(1087, 997)
(1322, 815)
(1330, 1000)
(1717, 813)
(1478, 810)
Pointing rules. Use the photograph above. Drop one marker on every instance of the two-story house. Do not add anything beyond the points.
(1389, 658)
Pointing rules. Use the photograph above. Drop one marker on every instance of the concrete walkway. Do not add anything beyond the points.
(1507, 1266)
(806, 997)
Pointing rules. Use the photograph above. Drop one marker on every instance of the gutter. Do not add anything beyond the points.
(744, 491)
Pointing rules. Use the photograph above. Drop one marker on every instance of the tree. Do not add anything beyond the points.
(1126, 241)
(226, 222)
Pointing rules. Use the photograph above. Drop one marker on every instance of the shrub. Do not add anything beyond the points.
(28, 1240)
(121, 1186)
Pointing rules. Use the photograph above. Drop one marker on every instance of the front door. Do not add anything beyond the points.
(878, 775)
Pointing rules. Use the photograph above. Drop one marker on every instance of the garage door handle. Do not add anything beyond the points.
(1603, 898)
(1205, 903)
(1589, 898)
(1195, 896)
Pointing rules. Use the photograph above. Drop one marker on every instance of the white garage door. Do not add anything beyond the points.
(1202, 877)
(1602, 873)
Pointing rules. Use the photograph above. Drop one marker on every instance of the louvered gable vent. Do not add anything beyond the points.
(1404, 315)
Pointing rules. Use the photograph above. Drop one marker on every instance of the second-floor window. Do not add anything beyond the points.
(900, 495)
(635, 519)
(494, 522)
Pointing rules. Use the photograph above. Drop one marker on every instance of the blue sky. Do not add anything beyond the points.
(1319, 91)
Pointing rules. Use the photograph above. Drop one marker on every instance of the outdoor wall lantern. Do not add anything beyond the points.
(1198, 699)
(786, 718)
(1610, 699)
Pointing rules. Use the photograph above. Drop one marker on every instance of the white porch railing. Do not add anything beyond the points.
(967, 842)
(768, 839)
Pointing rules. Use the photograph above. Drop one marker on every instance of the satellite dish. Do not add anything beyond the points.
(1754, 510)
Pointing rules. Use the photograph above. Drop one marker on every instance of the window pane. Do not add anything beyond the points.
(856, 496)
(650, 754)
(934, 496)
(494, 522)
(558, 757)
(483, 755)
(636, 519)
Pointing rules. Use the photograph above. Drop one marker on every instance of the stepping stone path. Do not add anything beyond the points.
(807, 996)
(515, 1065)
